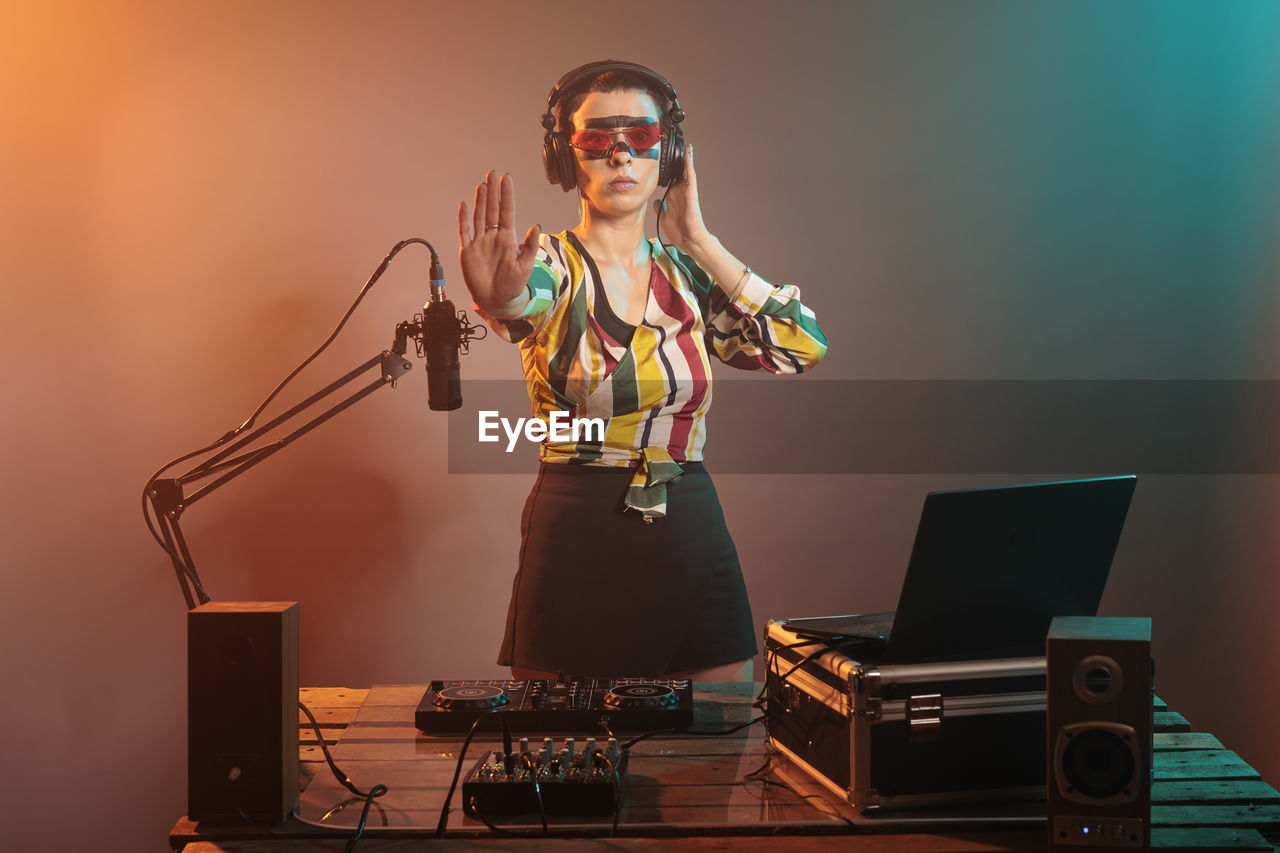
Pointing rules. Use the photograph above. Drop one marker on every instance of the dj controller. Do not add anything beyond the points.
(575, 705)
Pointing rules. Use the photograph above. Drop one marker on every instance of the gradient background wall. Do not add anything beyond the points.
(193, 193)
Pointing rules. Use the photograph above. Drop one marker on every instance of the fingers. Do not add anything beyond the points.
(493, 200)
(530, 245)
(506, 204)
(464, 225)
(495, 210)
(482, 200)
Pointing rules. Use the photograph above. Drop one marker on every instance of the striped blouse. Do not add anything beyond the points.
(652, 392)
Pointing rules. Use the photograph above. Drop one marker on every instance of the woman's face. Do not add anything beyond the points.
(619, 179)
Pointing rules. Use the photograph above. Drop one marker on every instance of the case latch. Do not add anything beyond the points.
(924, 712)
(865, 685)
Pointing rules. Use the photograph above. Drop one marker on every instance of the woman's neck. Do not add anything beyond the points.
(613, 242)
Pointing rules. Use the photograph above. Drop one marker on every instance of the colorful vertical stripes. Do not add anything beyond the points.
(654, 392)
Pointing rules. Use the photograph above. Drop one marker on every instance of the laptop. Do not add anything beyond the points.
(989, 570)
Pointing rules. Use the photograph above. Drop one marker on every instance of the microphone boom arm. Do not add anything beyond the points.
(166, 496)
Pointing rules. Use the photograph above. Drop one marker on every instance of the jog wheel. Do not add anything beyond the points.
(479, 697)
(640, 696)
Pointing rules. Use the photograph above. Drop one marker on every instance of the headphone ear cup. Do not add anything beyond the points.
(550, 160)
(568, 164)
(671, 158)
(558, 161)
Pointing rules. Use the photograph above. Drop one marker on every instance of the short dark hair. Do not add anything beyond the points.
(611, 81)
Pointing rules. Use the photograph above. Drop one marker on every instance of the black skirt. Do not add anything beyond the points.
(600, 593)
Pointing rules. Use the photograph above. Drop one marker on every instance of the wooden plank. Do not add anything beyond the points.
(1186, 740)
(1264, 818)
(328, 717)
(1221, 764)
(1176, 838)
(1170, 721)
(333, 697)
(307, 737)
(1218, 791)
(333, 707)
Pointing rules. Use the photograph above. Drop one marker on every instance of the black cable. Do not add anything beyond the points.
(762, 699)
(368, 285)
(269, 830)
(657, 224)
(617, 794)
(689, 733)
(443, 823)
(345, 780)
(374, 792)
(603, 722)
(828, 645)
(248, 423)
(527, 760)
(146, 516)
(474, 805)
(342, 778)
(820, 798)
(773, 667)
(767, 769)
(764, 769)
(825, 645)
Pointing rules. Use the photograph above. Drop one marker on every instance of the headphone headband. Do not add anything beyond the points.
(569, 82)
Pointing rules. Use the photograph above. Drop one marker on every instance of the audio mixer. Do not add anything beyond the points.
(575, 705)
(581, 780)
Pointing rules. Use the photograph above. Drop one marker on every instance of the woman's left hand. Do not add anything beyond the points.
(681, 222)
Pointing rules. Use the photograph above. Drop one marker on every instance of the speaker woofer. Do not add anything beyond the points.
(1098, 763)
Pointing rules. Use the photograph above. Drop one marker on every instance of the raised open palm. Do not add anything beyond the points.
(494, 267)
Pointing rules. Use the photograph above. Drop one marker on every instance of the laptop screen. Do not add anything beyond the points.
(990, 568)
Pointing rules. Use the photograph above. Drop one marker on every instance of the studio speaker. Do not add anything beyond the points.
(242, 711)
(1099, 712)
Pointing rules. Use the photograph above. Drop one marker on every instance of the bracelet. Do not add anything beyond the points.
(737, 288)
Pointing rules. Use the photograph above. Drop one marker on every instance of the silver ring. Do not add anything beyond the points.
(487, 227)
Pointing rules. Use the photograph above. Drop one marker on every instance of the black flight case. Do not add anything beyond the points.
(887, 735)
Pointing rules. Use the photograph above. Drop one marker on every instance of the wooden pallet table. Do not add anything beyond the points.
(1204, 796)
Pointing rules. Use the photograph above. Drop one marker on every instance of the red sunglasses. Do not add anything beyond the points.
(599, 144)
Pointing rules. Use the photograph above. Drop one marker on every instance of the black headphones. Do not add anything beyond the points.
(557, 156)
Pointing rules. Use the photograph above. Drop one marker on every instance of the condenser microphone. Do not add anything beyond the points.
(442, 332)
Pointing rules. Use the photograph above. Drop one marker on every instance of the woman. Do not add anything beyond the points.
(626, 567)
